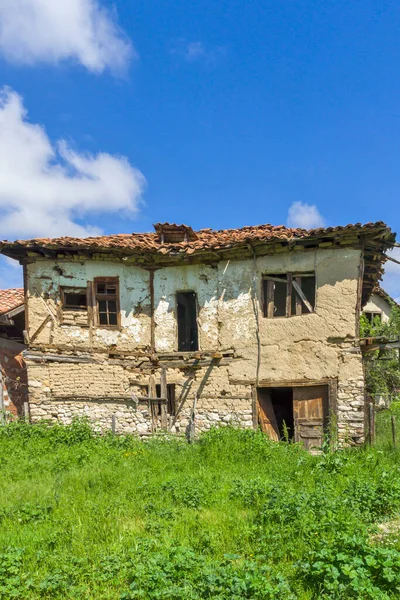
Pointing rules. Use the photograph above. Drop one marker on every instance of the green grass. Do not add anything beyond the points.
(231, 516)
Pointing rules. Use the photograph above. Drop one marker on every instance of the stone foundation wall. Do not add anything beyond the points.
(61, 391)
(131, 418)
(101, 390)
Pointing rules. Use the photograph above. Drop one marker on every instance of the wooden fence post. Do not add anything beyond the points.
(393, 431)
(371, 423)
(2, 414)
(113, 424)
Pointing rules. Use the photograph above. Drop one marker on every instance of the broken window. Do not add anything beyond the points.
(170, 398)
(74, 298)
(107, 301)
(289, 294)
(373, 317)
(188, 338)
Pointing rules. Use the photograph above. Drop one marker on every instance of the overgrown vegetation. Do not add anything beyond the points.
(231, 516)
(382, 367)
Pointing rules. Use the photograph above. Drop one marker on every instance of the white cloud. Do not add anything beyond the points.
(196, 51)
(45, 188)
(305, 216)
(54, 30)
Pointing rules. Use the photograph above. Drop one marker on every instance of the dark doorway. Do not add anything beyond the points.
(188, 337)
(276, 412)
(297, 413)
(282, 403)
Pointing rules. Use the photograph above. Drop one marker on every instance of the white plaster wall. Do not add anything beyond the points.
(201, 279)
(380, 305)
(134, 302)
(229, 296)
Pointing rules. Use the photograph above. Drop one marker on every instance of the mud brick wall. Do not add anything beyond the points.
(317, 346)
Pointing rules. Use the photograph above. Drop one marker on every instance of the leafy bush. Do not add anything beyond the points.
(352, 568)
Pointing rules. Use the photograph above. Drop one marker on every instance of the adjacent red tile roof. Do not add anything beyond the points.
(198, 241)
(11, 299)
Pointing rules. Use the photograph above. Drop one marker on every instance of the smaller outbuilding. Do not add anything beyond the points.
(13, 376)
(379, 305)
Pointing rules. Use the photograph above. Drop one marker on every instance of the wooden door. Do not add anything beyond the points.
(266, 414)
(310, 411)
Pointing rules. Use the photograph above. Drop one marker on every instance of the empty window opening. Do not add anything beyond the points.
(171, 408)
(74, 298)
(188, 337)
(107, 301)
(373, 317)
(289, 294)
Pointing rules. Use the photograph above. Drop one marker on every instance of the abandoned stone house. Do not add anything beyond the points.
(253, 326)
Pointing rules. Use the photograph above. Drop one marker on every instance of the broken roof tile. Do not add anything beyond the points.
(197, 241)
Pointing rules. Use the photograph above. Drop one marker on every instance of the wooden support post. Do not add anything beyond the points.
(113, 424)
(299, 308)
(371, 424)
(393, 431)
(270, 298)
(26, 412)
(192, 424)
(289, 294)
(2, 415)
(152, 406)
(152, 318)
(164, 418)
(254, 406)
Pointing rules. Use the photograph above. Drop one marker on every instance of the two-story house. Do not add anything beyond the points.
(252, 326)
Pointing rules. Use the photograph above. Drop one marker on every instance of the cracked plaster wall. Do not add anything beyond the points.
(312, 346)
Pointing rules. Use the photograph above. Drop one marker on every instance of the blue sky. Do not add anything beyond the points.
(227, 113)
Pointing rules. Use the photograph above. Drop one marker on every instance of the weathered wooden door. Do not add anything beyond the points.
(310, 411)
(266, 414)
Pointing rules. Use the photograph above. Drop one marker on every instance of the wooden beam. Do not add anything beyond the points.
(302, 296)
(393, 259)
(270, 298)
(44, 357)
(40, 328)
(164, 418)
(385, 346)
(289, 294)
(299, 306)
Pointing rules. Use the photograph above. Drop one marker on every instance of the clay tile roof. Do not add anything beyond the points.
(197, 241)
(383, 294)
(11, 299)
(173, 243)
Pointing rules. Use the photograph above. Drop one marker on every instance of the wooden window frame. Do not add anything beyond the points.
(97, 297)
(293, 285)
(371, 314)
(69, 289)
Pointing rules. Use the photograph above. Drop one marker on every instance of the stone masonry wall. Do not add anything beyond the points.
(60, 391)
